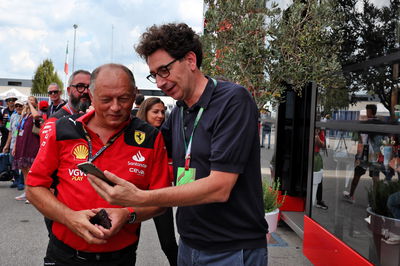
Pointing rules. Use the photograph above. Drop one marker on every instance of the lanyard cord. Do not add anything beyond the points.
(20, 126)
(188, 146)
(69, 109)
(92, 157)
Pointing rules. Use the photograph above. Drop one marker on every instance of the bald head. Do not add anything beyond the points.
(113, 69)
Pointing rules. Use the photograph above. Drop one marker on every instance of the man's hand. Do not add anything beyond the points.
(123, 193)
(118, 217)
(78, 222)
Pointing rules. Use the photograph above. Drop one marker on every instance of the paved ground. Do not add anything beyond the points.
(24, 238)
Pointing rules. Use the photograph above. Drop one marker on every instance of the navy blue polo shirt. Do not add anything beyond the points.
(226, 139)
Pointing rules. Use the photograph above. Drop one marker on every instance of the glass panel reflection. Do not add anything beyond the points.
(346, 165)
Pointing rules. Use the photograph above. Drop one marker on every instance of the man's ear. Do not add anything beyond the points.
(192, 60)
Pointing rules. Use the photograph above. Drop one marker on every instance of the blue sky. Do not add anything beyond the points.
(33, 30)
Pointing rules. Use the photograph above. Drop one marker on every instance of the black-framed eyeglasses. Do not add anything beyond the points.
(80, 87)
(53, 92)
(162, 71)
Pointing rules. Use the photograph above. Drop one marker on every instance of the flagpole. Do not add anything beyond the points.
(73, 55)
(66, 72)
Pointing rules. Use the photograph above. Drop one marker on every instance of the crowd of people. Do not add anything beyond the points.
(195, 160)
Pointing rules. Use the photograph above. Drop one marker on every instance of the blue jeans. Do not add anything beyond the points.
(188, 256)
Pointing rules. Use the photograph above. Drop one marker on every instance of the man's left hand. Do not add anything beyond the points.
(118, 217)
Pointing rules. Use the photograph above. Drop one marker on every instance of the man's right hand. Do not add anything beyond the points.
(78, 222)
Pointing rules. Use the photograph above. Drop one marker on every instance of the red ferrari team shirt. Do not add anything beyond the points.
(137, 155)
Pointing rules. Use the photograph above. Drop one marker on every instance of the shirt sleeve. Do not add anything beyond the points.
(234, 133)
(47, 159)
(159, 172)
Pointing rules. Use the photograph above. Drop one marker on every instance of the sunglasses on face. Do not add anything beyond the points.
(80, 87)
(18, 106)
(53, 92)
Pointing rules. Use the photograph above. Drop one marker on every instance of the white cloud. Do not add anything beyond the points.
(191, 10)
(22, 61)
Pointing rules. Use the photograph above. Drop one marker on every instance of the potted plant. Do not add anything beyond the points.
(272, 202)
(384, 226)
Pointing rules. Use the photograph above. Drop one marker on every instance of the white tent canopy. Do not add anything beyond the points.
(17, 93)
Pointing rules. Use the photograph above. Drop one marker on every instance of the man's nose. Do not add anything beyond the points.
(160, 81)
(115, 106)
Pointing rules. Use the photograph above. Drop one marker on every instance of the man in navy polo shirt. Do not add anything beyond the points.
(213, 139)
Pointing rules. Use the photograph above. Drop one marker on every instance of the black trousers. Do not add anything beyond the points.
(59, 254)
(166, 234)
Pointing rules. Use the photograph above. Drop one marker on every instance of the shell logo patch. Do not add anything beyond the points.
(80, 152)
(140, 136)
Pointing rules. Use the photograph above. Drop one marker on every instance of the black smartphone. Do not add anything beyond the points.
(89, 168)
(101, 218)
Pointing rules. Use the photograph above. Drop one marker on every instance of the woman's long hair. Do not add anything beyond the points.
(146, 106)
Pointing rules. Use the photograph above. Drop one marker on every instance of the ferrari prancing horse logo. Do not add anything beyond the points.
(140, 136)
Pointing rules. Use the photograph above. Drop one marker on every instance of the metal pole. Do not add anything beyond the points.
(73, 56)
(112, 43)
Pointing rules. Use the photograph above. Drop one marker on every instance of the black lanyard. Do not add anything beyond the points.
(91, 158)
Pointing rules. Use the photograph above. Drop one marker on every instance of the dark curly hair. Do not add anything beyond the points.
(176, 39)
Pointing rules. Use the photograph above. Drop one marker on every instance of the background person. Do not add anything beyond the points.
(5, 116)
(27, 143)
(138, 101)
(367, 157)
(10, 144)
(78, 94)
(319, 143)
(55, 97)
(152, 110)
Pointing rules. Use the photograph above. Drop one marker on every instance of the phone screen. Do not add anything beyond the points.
(89, 168)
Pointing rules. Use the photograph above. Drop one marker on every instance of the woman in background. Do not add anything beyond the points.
(27, 143)
(152, 110)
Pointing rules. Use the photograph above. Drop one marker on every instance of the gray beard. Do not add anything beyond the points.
(78, 105)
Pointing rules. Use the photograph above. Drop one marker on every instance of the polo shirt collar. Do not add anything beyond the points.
(86, 117)
(205, 98)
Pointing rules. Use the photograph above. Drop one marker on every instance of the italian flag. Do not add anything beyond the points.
(66, 61)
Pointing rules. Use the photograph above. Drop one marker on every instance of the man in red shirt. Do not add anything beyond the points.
(112, 141)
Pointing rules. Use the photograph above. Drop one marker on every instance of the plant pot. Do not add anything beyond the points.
(272, 220)
(386, 235)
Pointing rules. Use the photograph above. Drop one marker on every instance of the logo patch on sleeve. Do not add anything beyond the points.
(140, 136)
(80, 152)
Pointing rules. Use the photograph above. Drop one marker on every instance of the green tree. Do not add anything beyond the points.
(305, 49)
(369, 33)
(234, 42)
(44, 75)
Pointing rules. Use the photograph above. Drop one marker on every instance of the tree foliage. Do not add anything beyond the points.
(44, 75)
(369, 32)
(305, 48)
(234, 42)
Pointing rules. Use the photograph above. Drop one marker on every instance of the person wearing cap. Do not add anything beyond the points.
(55, 97)
(15, 118)
(43, 107)
(5, 116)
